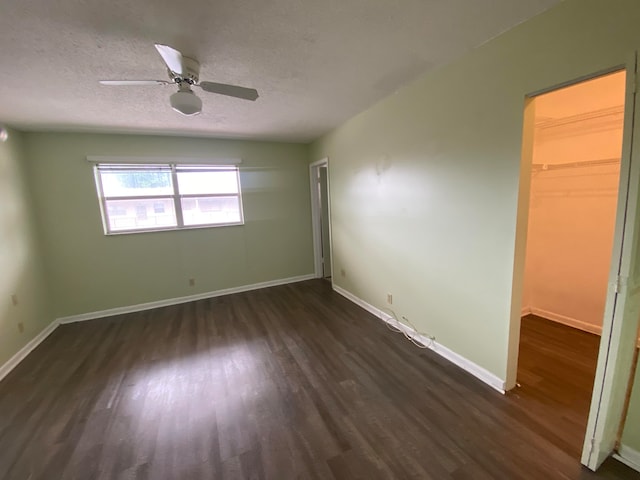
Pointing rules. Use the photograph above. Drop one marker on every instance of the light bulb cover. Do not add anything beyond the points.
(186, 102)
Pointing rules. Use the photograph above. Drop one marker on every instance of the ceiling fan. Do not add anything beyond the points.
(184, 73)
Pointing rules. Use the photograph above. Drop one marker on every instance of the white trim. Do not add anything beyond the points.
(163, 160)
(614, 365)
(315, 220)
(328, 215)
(525, 311)
(177, 300)
(569, 321)
(316, 209)
(474, 369)
(319, 163)
(173, 169)
(629, 456)
(27, 349)
(38, 339)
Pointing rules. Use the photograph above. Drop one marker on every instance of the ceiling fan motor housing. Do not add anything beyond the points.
(190, 72)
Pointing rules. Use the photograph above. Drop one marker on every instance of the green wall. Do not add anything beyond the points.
(424, 185)
(631, 433)
(21, 272)
(89, 271)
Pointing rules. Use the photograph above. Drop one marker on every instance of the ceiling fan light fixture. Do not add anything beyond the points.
(184, 73)
(186, 102)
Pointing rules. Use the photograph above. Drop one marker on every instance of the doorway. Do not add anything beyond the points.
(320, 217)
(619, 310)
(574, 176)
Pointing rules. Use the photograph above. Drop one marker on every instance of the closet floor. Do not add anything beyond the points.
(556, 370)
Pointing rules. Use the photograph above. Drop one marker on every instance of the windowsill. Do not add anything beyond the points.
(172, 229)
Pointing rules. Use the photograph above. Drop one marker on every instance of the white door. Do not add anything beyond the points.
(323, 186)
(622, 310)
(321, 217)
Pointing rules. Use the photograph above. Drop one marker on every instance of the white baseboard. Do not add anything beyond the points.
(525, 311)
(175, 301)
(629, 456)
(474, 369)
(27, 349)
(571, 322)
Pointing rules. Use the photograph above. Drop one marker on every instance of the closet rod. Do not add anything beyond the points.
(584, 163)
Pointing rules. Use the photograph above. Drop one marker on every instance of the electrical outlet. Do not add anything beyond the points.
(14, 300)
(389, 298)
(20, 327)
(342, 272)
(192, 282)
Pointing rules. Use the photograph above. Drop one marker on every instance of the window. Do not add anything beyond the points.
(142, 197)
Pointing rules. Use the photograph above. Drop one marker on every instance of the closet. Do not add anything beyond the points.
(574, 193)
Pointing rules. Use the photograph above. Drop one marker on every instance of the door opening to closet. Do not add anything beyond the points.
(574, 181)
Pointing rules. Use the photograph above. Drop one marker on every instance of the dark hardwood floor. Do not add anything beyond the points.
(556, 370)
(281, 383)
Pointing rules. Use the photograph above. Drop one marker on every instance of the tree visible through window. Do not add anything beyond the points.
(144, 180)
(168, 196)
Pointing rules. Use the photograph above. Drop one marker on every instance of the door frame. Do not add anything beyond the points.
(316, 211)
(597, 445)
(616, 351)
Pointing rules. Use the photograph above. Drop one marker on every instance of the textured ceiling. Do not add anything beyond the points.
(315, 64)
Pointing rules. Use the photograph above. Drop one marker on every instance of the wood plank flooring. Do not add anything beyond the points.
(287, 382)
(556, 371)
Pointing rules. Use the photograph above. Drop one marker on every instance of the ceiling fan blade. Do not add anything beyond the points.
(172, 58)
(230, 90)
(133, 82)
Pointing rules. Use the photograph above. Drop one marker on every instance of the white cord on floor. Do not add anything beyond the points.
(408, 323)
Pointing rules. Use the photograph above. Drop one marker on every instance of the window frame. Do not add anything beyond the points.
(176, 196)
